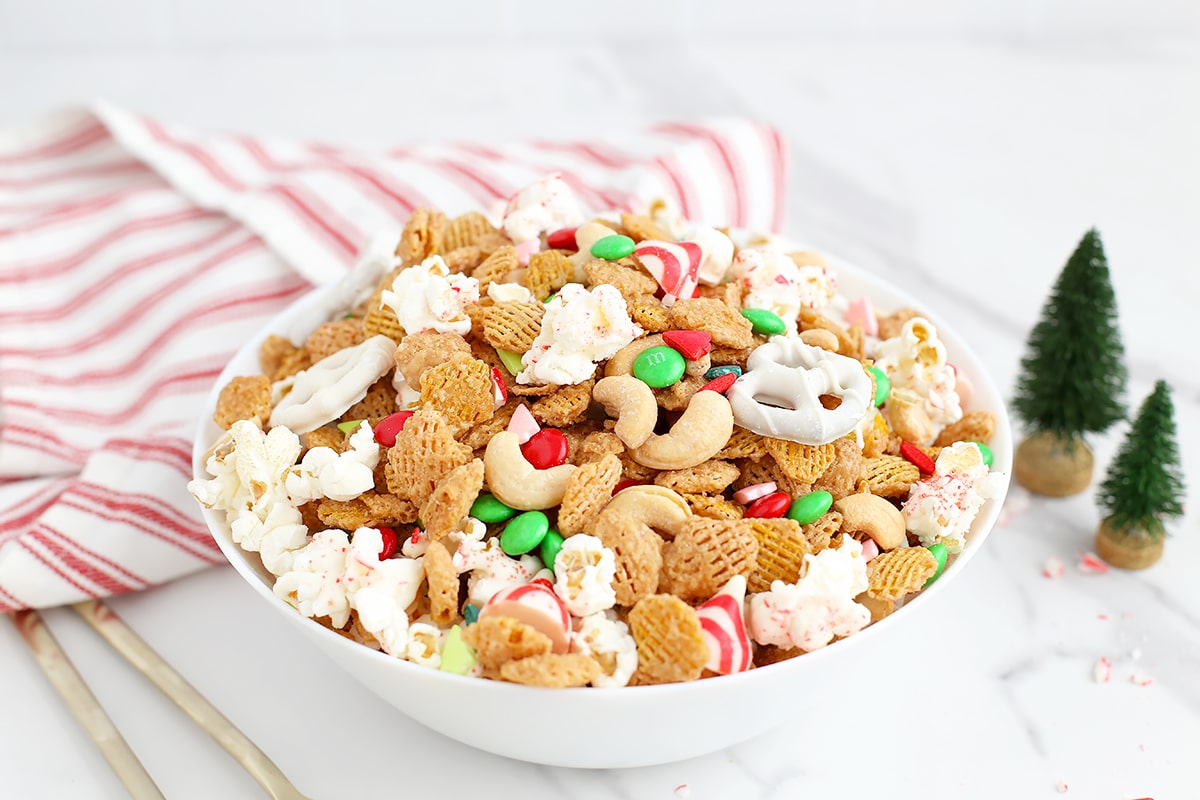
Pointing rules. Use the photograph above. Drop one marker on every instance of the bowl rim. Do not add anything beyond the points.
(300, 314)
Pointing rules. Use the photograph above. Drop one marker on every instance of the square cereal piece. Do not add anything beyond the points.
(548, 271)
(510, 326)
(729, 293)
(889, 476)
(328, 436)
(670, 644)
(418, 352)
(893, 574)
(767, 471)
(641, 227)
(713, 507)
(379, 402)
(821, 532)
(443, 582)
(891, 324)
(705, 554)
(565, 406)
(496, 268)
(552, 670)
(451, 499)
(649, 313)
(462, 390)
(498, 640)
(369, 510)
(727, 326)
(424, 234)
(424, 452)
(588, 490)
(781, 551)
(597, 445)
(743, 444)
(637, 550)
(677, 396)
(381, 320)
(331, 337)
(281, 359)
(711, 477)
(628, 280)
(803, 463)
(244, 397)
(466, 230)
(842, 476)
(974, 426)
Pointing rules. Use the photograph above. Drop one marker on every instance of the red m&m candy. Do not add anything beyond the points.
(388, 427)
(773, 505)
(545, 449)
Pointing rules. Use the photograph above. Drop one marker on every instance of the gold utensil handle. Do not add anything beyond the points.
(203, 713)
(83, 704)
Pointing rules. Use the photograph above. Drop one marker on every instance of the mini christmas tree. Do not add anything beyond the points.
(1144, 484)
(1072, 376)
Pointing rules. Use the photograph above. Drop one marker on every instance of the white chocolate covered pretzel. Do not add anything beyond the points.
(324, 391)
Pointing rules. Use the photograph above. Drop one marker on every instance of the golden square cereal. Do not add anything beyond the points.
(712, 476)
(641, 227)
(671, 646)
(730, 293)
(730, 356)
(576, 434)
(532, 390)
(891, 324)
(649, 313)
(565, 406)
(781, 551)
(821, 532)
(462, 390)
(677, 396)
(877, 437)
(727, 326)
(498, 640)
(466, 229)
(510, 326)
(879, 608)
(309, 515)
(705, 554)
(552, 670)
(331, 337)
(479, 435)
(548, 271)
(444, 584)
(280, 359)
(803, 463)
(424, 452)
(893, 574)
(638, 553)
(423, 235)
(418, 352)
(889, 476)
(451, 499)
(327, 436)
(767, 471)
(496, 268)
(244, 397)
(379, 402)
(632, 283)
(369, 510)
(743, 444)
(975, 426)
(381, 320)
(462, 259)
(588, 490)
(597, 445)
(713, 507)
(842, 476)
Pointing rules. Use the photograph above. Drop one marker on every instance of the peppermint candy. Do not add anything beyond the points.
(675, 265)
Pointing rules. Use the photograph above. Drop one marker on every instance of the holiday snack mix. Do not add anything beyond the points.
(568, 449)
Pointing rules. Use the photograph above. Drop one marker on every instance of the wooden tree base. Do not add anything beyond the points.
(1132, 549)
(1045, 464)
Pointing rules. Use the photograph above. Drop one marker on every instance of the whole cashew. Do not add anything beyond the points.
(819, 337)
(875, 517)
(632, 403)
(657, 506)
(517, 483)
(906, 415)
(622, 362)
(698, 435)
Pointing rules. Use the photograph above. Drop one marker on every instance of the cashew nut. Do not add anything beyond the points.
(819, 337)
(906, 416)
(631, 402)
(874, 516)
(517, 483)
(657, 506)
(698, 435)
(622, 362)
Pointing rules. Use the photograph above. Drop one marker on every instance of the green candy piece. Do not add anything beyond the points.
(941, 554)
(457, 655)
(524, 532)
(810, 507)
(511, 361)
(349, 426)
(610, 248)
(883, 385)
(470, 613)
(717, 372)
(659, 367)
(487, 508)
(768, 323)
(985, 451)
(551, 544)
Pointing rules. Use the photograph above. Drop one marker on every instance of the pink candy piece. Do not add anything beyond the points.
(1053, 568)
(1090, 564)
(499, 389)
(675, 265)
(962, 385)
(749, 494)
(523, 424)
(723, 626)
(526, 249)
(870, 549)
(537, 606)
(863, 312)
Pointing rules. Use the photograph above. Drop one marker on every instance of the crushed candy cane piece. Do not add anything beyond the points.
(1102, 670)
(1053, 568)
(1090, 564)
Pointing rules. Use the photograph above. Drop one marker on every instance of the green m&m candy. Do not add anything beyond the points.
(883, 385)
(768, 323)
(941, 554)
(524, 532)
(551, 544)
(659, 367)
(510, 360)
(487, 508)
(808, 508)
(610, 248)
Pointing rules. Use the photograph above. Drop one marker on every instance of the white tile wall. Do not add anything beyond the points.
(205, 25)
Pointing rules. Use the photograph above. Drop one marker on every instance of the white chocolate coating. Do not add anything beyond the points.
(324, 391)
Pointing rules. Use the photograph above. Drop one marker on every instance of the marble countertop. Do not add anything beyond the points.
(964, 173)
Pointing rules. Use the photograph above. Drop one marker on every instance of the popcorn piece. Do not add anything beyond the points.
(916, 360)
(773, 281)
(607, 641)
(429, 297)
(509, 293)
(809, 613)
(584, 572)
(425, 642)
(491, 568)
(339, 476)
(580, 327)
(545, 205)
(315, 585)
(941, 508)
(381, 591)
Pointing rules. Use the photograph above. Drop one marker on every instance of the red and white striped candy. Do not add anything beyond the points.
(675, 265)
(723, 626)
(536, 605)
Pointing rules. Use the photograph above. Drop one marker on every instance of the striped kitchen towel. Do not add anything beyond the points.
(136, 256)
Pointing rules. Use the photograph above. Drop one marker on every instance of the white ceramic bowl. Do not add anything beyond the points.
(624, 727)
